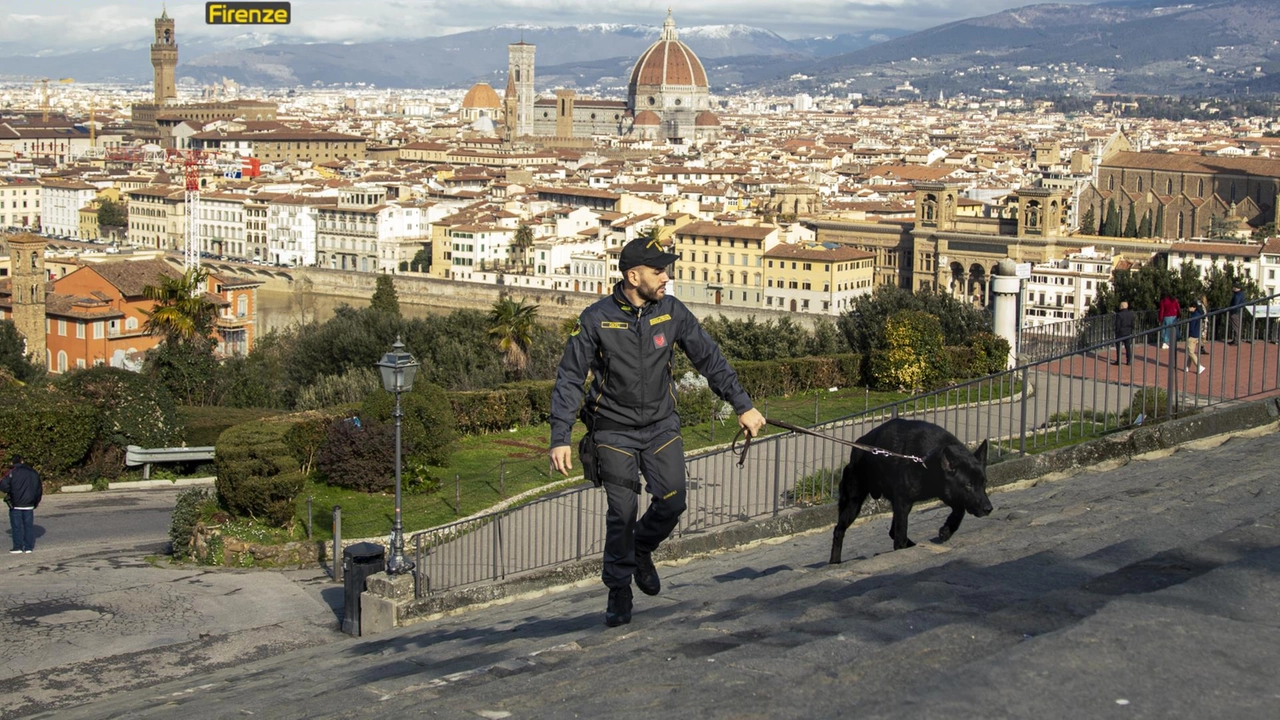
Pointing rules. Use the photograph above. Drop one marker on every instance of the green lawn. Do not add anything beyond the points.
(487, 469)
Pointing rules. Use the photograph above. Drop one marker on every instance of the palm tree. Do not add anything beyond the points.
(181, 310)
(513, 323)
(521, 244)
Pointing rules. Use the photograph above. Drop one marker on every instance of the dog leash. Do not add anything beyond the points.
(746, 445)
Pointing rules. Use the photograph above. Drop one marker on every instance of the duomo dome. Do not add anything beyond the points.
(669, 80)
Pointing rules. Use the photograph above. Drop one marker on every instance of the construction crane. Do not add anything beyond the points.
(191, 252)
(44, 96)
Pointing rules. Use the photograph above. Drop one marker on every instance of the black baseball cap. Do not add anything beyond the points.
(645, 251)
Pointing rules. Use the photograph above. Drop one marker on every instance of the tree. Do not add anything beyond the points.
(1219, 228)
(1089, 223)
(512, 323)
(12, 360)
(864, 324)
(1159, 228)
(521, 243)
(181, 310)
(1264, 232)
(1131, 222)
(384, 296)
(112, 214)
(421, 261)
(1144, 227)
(1111, 225)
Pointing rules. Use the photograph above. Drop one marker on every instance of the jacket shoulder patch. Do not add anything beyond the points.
(614, 325)
(659, 319)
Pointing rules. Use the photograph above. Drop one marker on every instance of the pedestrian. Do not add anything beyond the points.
(1235, 314)
(1207, 334)
(1125, 321)
(1168, 313)
(626, 341)
(23, 491)
(1193, 337)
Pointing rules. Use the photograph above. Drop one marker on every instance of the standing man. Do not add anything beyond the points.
(626, 341)
(1234, 314)
(1193, 338)
(1123, 330)
(22, 491)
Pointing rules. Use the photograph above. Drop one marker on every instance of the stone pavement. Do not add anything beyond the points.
(1145, 590)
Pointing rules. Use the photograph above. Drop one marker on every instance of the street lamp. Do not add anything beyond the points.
(398, 369)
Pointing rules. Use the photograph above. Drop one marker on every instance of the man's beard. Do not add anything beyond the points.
(649, 294)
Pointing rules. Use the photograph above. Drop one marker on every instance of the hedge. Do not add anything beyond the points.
(258, 476)
(798, 375)
(53, 432)
(487, 411)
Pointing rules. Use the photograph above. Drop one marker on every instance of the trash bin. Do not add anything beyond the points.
(359, 561)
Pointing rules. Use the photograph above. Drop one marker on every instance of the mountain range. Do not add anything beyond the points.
(1136, 46)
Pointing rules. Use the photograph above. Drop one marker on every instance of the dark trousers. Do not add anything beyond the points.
(657, 451)
(1128, 350)
(1234, 326)
(22, 524)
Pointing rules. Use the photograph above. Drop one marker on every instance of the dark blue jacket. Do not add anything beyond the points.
(629, 352)
(1193, 327)
(22, 485)
(1237, 298)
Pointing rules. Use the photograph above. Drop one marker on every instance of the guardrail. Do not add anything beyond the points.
(1061, 399)
(135, 455)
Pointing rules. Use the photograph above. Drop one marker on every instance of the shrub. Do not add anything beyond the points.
(306, 437)
(52, 431)
(908, 359)
(429, 425)
(991, 353)
(538, 397)
(798, 375)
(1150, 402)
(258, 477)
(132, 409)
(359, 455)
(696, 404)
(352, 386)
(187, 511)
(485, 411)
(961, 362)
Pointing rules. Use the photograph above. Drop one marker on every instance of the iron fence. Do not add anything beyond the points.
(1085, 392)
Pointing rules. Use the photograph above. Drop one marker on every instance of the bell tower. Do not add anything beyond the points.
(520, 86)
(936, 206)
(164, 59)
(26, 264)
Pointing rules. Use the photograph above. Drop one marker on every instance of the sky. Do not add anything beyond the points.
(31, 27)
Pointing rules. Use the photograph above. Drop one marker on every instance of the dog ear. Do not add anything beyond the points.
(981, 454)
(948, 465)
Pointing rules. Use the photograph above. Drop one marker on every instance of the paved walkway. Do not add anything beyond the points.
(1141, 591)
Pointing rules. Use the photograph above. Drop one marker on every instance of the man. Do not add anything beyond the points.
(626, 341)
(23, 492)
(1124, 324)
(1193, 337)
(1234, 314)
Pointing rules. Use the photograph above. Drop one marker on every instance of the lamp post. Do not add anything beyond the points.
(398, 369)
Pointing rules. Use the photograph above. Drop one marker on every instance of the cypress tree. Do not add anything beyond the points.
(1112, 223)
(1090, 222)
(1144, 227)
(1131, 223)
(1159, 231)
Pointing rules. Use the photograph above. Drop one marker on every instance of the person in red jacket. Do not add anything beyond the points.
(1168, 312)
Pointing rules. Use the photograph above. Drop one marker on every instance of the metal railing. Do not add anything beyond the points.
(1053, 401)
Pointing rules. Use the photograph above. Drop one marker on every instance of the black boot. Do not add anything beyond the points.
(619, 611)
(646, 575)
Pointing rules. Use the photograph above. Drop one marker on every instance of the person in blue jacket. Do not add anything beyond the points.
(626, 342)
(22, 490)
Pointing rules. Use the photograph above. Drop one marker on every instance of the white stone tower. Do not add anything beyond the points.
(520, 79)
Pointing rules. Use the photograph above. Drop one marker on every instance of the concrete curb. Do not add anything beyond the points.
(143, 485)
(1121, 445)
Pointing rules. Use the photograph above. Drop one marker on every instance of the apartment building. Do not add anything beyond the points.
(221, 228)
(291, 229)
(19, 203)
(1063, 289)
(722, 264)
(157, 217)
(816, 277)
(60, 203)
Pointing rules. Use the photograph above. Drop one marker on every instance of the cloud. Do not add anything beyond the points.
(71, 25)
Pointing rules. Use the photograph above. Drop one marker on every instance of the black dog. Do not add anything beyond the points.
(951, 473)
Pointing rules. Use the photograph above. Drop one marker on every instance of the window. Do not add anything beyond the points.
(98, 330)
(80, 332)
(62, 330)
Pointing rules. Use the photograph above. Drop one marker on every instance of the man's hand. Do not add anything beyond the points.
(562, 459)
(751, 422)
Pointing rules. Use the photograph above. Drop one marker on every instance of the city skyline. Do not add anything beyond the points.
(80, 25)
